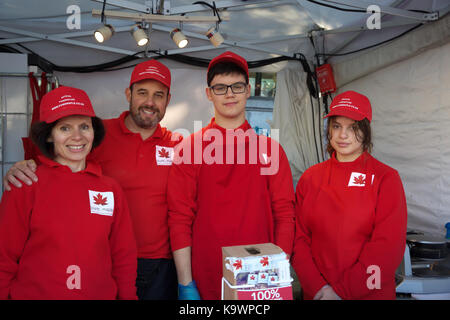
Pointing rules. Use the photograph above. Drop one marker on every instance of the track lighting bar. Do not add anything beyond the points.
(155, 17)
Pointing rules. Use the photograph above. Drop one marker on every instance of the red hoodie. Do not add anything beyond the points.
(68, 236)
(351, 228)
(213, 204)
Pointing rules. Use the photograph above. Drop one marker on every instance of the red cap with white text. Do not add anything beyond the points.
(151, 69)
(352, 105)
(229, 56)
(65, 101)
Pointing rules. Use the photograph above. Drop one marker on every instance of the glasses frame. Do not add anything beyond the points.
(229, 87)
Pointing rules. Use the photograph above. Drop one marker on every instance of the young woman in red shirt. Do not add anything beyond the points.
(350, 213)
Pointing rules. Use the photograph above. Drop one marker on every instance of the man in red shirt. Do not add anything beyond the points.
(137, 152)
(227, 186)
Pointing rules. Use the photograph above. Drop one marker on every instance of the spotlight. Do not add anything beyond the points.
(139, 35)
(179, 38)
(214, 36)
(104, 33)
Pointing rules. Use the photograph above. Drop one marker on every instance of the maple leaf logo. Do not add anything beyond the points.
(252, 277)
(263, 276)
(99, 200)
(264, 261)
(163, 153)
(359, 180)
(238, 264)
(272, 279)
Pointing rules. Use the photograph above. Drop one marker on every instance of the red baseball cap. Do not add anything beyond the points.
(229, 56)
(151, 69)
(352, 105)
(65, 101)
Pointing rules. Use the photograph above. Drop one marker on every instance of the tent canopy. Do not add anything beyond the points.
(258, 29)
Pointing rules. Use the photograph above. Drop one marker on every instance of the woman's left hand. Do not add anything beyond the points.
(326, 293)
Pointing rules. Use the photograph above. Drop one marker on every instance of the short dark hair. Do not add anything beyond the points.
(225, 68)
(362, 130)
(41, 131)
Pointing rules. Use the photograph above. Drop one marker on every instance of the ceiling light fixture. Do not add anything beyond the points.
(141, 31)
(179, 38)
(214, 36)
(139, 35)
(104, 33)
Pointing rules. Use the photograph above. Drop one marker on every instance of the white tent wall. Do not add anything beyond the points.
(293, 117)
(14, 108)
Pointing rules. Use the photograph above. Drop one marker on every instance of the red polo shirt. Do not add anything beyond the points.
(351, 228)
(214, 202)
(68, 236)
(141, 167)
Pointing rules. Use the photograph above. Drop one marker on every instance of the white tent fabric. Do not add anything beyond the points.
(424, 38)
(293, 116)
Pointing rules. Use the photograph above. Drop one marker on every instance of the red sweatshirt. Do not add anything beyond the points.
(68, 236)
(351, 228)
(141, 167)
(215, 203)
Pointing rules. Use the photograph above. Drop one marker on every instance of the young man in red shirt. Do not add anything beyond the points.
(137, 152)
(227, 186)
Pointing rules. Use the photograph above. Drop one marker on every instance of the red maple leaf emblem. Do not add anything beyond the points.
(100, 200)
(238, 264)
(272, 279)
(264, 261)
(163, 153)
(263, 276)
(359, 180)
(252, 278)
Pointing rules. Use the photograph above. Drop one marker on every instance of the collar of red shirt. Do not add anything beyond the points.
(91, 167)
(245, 126)
(360, 161)
(157, 134)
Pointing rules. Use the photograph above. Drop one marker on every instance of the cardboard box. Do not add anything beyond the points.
(256, 272)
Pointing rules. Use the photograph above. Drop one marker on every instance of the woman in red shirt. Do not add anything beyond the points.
(69, 235)
(351, 213)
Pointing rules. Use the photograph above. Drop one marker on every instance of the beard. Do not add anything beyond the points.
(142, 122)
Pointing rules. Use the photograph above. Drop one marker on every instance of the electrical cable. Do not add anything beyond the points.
(102, 19)
(318, 102)
(337, 8)
(371, 46)
(354, 10)
(213, 8)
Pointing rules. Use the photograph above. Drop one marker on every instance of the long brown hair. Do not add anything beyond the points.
(362, 130)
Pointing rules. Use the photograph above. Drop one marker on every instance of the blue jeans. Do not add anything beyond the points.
(156, 279)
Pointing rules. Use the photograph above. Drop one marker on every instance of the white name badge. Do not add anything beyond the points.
(357, 180)
(164, 156)
(101, 202)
